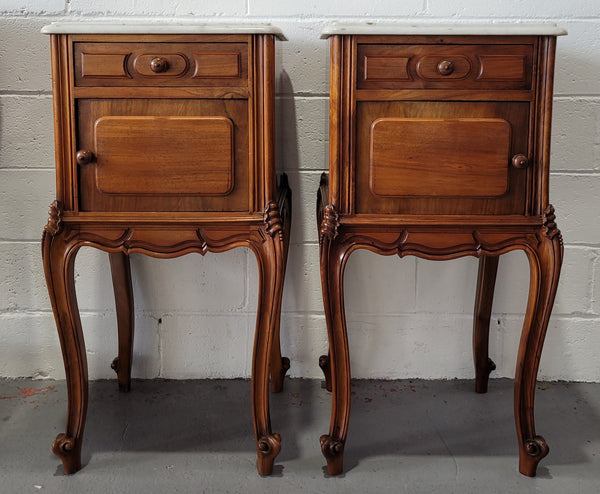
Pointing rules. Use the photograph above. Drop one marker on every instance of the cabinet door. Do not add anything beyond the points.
(163, 155)
(440, 157)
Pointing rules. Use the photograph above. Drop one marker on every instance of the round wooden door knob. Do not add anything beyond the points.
(159, 64)
(84, 157)
(445, 67)
(520, 161)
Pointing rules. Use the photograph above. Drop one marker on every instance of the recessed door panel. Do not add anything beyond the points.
(425, 157)
(164, 155)
(442, 157)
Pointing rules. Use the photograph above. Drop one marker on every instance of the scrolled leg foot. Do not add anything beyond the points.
(59, 249)
(69, 451)
(325, 367)
(530, 454)
(333, 451)
(267, 448)
(545, 259)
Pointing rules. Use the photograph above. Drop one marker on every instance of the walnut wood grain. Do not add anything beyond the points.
(103, 65)
(443, 139)
(440, 193)
(131, 64)
(217, 65)
(164, 155)
(463, 65)
(121, 278)
(176, 161)
(195, 155)
(431, 159)
(484, 295)
(279, 365)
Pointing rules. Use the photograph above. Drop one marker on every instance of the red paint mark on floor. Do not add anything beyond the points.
(7, 397)
(32, 391)
(413, 389)
(368, 400)
(295, 395)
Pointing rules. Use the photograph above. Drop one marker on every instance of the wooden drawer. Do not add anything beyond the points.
(161, 64)
(405, 66)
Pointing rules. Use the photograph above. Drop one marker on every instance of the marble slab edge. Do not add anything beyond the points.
(158, 26)
(444, 29)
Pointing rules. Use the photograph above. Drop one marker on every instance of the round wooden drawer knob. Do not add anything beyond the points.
(445, 67)
(159, 65)
(84, 157)
(520, 161)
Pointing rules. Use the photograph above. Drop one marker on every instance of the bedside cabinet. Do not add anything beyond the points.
(164, 146)
(439, 148)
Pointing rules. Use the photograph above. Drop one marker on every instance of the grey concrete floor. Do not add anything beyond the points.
(196, 436)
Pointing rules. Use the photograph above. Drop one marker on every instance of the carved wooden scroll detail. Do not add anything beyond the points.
(537, 447)
(273, 221)
(333, 451)
(549, 223)
(69, 451)
(267, 447)
(329, 223)
(54, 224)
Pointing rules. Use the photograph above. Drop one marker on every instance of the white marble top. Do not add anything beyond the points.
(156, 25)
(445, 28)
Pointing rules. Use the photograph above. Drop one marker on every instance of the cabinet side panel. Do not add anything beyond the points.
(543, 112)
(62, 119)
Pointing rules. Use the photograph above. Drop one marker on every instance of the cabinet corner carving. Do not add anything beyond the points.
(272, 219)
(54, 224)
(329, 223)
(550, 228)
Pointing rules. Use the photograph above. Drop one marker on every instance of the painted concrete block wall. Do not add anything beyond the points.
(195, 315)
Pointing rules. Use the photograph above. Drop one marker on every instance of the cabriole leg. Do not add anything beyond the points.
(486, 280)
(333, 258)
(121, 278)
(269, 255)
(545, 259)
(280, 365)
(59, 260)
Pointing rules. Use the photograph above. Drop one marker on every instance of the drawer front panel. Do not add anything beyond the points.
(439, 157)
(428, 157)
(400, 66)
(161, 64)
(164, 155)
